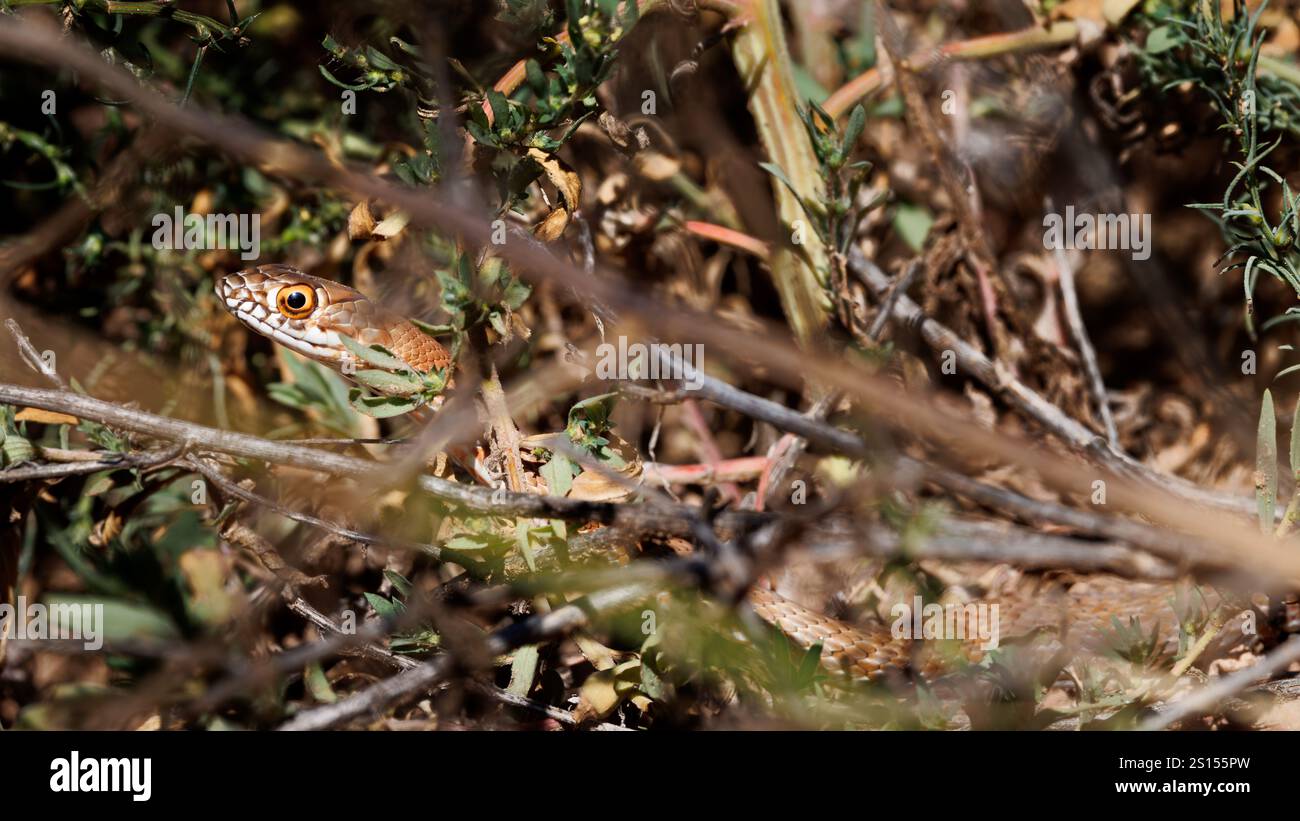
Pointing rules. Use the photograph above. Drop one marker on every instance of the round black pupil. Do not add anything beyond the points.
(296, 301)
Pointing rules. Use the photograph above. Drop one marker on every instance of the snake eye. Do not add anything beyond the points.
(296, 301)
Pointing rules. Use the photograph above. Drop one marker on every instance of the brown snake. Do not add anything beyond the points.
(308, 314)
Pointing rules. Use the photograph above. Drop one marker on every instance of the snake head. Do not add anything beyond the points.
(308, 314)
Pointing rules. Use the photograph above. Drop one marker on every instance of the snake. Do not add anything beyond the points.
(310, 315)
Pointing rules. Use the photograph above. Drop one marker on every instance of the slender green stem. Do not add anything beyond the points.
(194, 73)
(202, 24)
(1212, 628)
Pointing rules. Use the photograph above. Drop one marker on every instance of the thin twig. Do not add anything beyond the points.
(786, 452)
(33, 358)
(61, 470)
(899, 287)
(234, 489)
(1074, 319)
(243, 536)
(1173, 547)
(1207, 698)
(740, 469)
(677, 519)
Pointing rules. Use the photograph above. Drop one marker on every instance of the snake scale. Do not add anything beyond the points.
(308, 315)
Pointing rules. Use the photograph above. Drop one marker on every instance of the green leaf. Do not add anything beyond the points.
(399, 582)
(652, 684)
(523, 670)
(610, 458)
(806, 85)
(382, 407)
(434, 331)
(318, 685)
(121, 620)
(500, 107)
(392, 384)
(524, 541)
(536, 79)
(419, 642)
(810, 665)
(558, 474)
(336, 81)
(482, 135)
(594, 410)
(376, 355)
(913, 223)
(1266, 464)
(1162, 39)
(515, 294)
(1295, 442)
(469, 541)
(16, 449)
(775, 171)
(385, 608)
(319, 388)
(857, 121)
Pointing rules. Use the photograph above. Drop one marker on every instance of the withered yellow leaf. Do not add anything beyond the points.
(44, 417)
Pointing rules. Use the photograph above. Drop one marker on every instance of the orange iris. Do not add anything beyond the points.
(296, 301)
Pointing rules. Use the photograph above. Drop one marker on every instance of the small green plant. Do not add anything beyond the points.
(1258, 110)
(393, 608)
(563, 94)
(65, 178)
(1133, 643)
(488, 293)
(376, 71)
(590, 428)
(835, 213)
(318, 390)
(793, 669)
(1266, 470)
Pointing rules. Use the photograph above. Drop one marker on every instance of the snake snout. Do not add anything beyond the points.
(236, 290)
(227, 286)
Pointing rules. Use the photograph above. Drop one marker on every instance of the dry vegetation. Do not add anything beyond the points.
(845, 213)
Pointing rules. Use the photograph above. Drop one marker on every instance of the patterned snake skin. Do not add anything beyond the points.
(1079, 615)
(308, 314)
